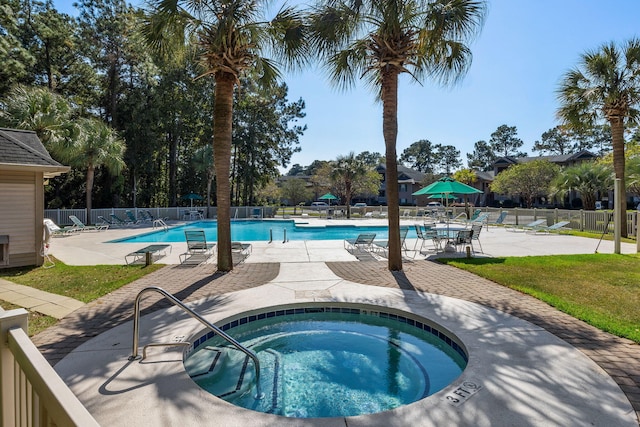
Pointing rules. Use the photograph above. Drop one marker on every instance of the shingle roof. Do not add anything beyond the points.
(405, 174)
(560, 159)
(23, 148)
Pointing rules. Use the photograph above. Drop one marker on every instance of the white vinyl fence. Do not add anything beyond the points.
(31, 392)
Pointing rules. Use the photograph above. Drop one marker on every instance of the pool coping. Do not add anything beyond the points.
(524, 375)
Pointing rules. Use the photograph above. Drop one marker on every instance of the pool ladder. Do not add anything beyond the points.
(214, 328)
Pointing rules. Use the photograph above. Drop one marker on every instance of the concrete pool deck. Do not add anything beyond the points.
(536, 365)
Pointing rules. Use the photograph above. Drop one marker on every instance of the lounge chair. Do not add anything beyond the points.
(476, 214)
(548, 229)
(499, 220)
(116, 220)
(480, 219)
(382, 246)
(82, 227)
(529, 226)
(197, 246)
(240, 251)
(55, 230)
(132, 218)
(105, 221)
(153, 251)
(361, 244)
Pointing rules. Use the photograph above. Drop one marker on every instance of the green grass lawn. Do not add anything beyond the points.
(601, 289)
(84, 283)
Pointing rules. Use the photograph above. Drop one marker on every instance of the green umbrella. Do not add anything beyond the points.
(442, 196)
(191, 197)
(328, 197)
(447, 185)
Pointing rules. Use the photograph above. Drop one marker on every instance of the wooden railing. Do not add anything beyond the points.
(31, 392)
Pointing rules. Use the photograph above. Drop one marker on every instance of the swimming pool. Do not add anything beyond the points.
(322, 362)
(256, 231)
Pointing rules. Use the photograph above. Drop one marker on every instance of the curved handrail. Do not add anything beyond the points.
(177, 302)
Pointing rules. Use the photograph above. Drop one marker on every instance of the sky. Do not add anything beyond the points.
(519, 59)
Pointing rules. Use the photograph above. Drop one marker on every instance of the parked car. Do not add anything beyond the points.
(360, 205)
(434, 205)
(319, 205)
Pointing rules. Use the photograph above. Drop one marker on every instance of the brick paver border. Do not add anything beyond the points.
(619, 357)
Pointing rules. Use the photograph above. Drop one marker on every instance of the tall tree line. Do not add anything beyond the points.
(103, 69)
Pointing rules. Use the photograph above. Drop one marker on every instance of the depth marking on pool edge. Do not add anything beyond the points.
(463, 392)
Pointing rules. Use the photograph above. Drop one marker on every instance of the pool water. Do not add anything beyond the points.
(257, 231)
(327, 365)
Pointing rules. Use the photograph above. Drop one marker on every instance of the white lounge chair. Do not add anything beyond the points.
(382, 246)
(361, 244)
(55, 230)
(82, 227)
(548, 229)
(526, 227)
(197, 247)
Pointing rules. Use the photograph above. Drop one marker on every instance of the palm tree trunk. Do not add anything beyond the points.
(390, 133)
(617, 140)
(89, 184)
(222, 128)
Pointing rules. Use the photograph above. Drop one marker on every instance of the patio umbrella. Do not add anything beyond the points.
(447, 185)
(191, 197)
(329, 197)
(442, 196)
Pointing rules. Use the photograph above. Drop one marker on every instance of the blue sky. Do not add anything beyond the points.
(518, 60)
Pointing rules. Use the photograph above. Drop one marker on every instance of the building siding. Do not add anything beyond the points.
(21, 211)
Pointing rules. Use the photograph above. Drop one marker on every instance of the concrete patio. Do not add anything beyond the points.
(536, 366)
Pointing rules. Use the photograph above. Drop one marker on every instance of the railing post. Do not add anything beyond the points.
(9, 320)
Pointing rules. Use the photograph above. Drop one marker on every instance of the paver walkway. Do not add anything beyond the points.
(619, 357)
(53, 305)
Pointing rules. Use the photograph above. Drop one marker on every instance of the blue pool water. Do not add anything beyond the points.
(328, 364)
(262, 230)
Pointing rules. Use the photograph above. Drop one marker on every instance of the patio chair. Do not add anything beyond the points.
(464, 238)
(197, 246)
(523, 228)
(423, 237)
(105, 221)
(82, 227)
(362, 243)
(548, 229)
(55, 230)
(382, 246)
(475, 235)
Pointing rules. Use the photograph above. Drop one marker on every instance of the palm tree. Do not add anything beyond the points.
(42, 111)
(98, 145)
(587, 178)
(605, 85)
(233, 37)
(345, 172)
(381, 39)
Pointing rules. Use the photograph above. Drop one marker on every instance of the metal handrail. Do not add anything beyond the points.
(175, 301)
